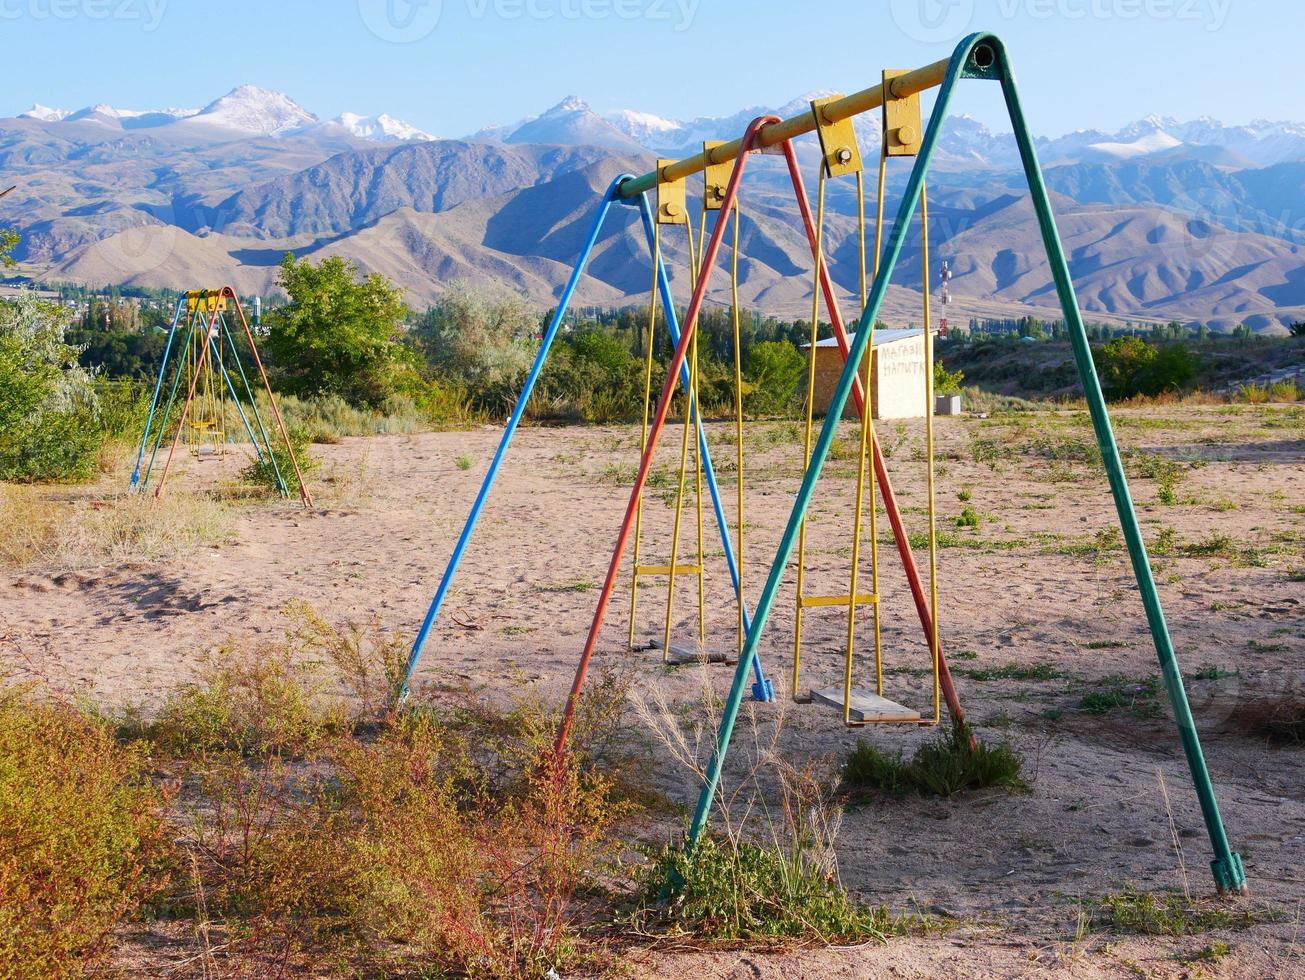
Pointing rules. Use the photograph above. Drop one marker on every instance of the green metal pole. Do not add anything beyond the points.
(1227, 864)
(982, 56)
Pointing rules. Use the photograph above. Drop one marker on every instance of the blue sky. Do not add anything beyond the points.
(452, 66)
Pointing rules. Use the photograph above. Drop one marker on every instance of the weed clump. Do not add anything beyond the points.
(1143, 913)
(949, 765)
(273, 469)
(83, 844)
(728, 889)
(1137, 696)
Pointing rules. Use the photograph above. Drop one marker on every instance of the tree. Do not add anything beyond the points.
(339, 334)
(1297, 328)
(774, 371)
(1130, 366)
(8, 242)
(49, 420)
(485, 345)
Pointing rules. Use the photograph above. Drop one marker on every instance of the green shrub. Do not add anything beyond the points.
(774, 369)
(736, 890)
(944, 767)
(1129, 366)
(968, 517)
(255, 703)
(946, 382)
(51, 421)
(82, 841)
(274, 469)
(340, 334)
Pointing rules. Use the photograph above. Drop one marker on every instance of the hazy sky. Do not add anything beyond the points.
(452, 66)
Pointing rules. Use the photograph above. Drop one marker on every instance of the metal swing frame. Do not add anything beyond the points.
(201, 316)
(980, 56)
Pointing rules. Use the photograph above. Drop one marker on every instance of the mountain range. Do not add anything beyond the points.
(1162, 220)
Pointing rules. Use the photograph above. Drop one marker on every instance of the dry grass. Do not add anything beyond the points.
(291, 821)
(66, 530)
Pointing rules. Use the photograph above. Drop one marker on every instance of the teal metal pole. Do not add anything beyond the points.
(167, 409)
(253, 407)
(982, 56)
(1229, 875)
(158, 385)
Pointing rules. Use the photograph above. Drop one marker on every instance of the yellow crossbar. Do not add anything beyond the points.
(807, 601)
(667, 569)
(930, 76)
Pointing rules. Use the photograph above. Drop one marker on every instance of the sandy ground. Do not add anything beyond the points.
(1026, 587)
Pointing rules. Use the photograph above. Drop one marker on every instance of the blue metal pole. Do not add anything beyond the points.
(564, 301)
(762, 688)
(158, 386)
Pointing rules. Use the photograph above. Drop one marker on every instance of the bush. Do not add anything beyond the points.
(51, 426)
(945, 767)
(946, 382)
(730, 889)
(1129, 366)
(774, 370)
(82, 842)
(255, 703)
(339, 334)
(274, 469)
(484, 346)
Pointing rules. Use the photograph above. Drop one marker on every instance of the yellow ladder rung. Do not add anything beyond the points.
(807, 601)
(666, 569)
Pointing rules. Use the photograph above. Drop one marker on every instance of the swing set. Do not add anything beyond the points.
(202, 353)
(980, 56)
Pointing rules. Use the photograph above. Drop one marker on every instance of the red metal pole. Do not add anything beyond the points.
(708, 261)
(881, 469)
(304, 496)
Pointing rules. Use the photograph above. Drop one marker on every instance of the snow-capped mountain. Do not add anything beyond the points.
(255, 111)
(966, 143)
(570, 123)
(44, 113)
(382, 128)
(246, 110)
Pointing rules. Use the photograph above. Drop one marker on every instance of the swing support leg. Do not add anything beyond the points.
(762, 689)
(982, 56)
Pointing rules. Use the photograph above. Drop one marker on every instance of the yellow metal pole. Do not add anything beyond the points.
(860, 473)
(869, 403)
(738, 410)
(696, 406)
(643, 436)
(689, 398)
(806, 444)
(928, 451)
(930, 76)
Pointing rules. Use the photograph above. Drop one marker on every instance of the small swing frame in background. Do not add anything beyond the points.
(200, 350)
